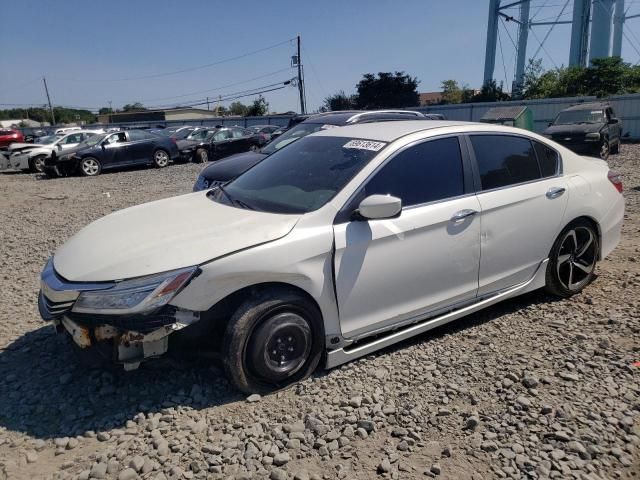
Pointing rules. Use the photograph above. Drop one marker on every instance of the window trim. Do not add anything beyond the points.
(344, 214)
(476, 167)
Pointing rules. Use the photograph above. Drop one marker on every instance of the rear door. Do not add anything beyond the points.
(222, 142)
(523, 197)
(240, 140)
(139, 149)
(391, 271)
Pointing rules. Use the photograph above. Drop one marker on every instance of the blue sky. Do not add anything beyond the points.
(87, 49)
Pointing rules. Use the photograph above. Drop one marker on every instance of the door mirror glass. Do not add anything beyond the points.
(377, 207)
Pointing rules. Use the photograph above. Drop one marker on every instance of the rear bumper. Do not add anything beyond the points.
(611, 227)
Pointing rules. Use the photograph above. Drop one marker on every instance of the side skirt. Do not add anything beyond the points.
(343, 355)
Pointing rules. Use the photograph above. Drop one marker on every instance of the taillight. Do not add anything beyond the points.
(616, 179)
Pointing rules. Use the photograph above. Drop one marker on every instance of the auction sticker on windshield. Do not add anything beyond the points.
(365, 145)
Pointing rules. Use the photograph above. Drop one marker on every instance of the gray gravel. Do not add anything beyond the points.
(531, 388)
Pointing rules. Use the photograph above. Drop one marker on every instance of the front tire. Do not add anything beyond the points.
(273, 340)
(36, 164)
(605, 149)
(90, 166)
(573, 259)
(160, 158)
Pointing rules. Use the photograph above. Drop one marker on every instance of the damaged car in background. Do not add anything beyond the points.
(317, 253)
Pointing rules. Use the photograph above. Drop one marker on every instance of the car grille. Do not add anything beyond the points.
(137, 323)
(51, 309)
(214, 183)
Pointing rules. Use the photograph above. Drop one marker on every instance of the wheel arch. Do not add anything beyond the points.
(217, 316)
(594, 223)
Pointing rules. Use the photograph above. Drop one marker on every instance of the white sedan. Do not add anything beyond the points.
(344, 242)
(31, 156)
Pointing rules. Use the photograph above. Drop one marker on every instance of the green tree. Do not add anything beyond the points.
(258, 108)
(452, 92)
(238, 108)
(491, 92)
(105, 111)
(133, 107)
(339, 101)
(387, 90)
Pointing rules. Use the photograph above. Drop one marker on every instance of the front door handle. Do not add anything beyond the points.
(555, 192)
(462, 214)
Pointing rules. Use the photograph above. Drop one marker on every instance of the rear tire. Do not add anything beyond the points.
(161, 158)
(201, 156)
(573, 259)
(272, 340)
(90, 166)
(615, 150)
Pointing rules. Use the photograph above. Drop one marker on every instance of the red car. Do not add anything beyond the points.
(7, 137)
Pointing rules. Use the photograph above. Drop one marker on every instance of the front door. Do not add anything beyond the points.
(396, 270)
(523, 198)
(113, 150)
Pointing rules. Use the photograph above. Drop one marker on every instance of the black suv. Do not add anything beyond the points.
(587, 128)
(225, 170)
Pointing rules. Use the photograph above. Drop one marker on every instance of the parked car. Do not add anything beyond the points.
(66, 130)
(435, 116)
(9, 136)
(588, 128)
(318, 252)
(220, 143)
(230, 168)
(264, 131)
(32, 156)
(178, 133)
(114, 150)
(31, 135)
(293, 121)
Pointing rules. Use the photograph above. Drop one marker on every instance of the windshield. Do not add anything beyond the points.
(49, 139)
(299, 131)
(579, 116)
(300, 178)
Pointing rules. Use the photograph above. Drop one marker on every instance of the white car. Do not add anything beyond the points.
(31, 156)
(341, 243)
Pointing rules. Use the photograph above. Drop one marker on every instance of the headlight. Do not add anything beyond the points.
(201, 183)
(592, 137)
(140, 295)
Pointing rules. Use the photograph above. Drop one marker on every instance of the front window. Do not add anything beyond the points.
(579, 116)
(301, 178)
(93, 140)
(48, 140)
(297, 132)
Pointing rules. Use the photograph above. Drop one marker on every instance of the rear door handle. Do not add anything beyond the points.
(462, 214)
(555, 192)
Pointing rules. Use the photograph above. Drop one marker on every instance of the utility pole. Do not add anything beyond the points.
(303, 107)
(53, 117)
(521, 56)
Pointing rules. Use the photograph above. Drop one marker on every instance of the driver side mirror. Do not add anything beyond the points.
(613, 121)
(378, 207)
(58, 146)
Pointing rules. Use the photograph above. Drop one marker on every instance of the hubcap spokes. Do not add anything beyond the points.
(90, 167)
(576, 258)
(161, 158)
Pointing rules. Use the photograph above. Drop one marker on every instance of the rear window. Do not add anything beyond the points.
(548, 159)
(504, 160)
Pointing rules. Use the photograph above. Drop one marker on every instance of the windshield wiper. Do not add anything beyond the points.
(234, 201)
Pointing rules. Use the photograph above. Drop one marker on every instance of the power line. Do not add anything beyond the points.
(543, 49)
(185, 70)
(550, 30)
(216, 89)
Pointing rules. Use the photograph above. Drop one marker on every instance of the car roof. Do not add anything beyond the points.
(587, 106)
(346, 117)
(391, 131)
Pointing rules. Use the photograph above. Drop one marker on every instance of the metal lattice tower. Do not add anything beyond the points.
(604, 39)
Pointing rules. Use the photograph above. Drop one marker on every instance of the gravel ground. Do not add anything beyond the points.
(534, 387)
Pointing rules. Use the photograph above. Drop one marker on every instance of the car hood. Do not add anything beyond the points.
(231, 167)
(164, 235)
(24, 146)
(573, 129)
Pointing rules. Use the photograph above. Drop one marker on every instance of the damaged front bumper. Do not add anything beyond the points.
(131, 338)
(129, 347)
